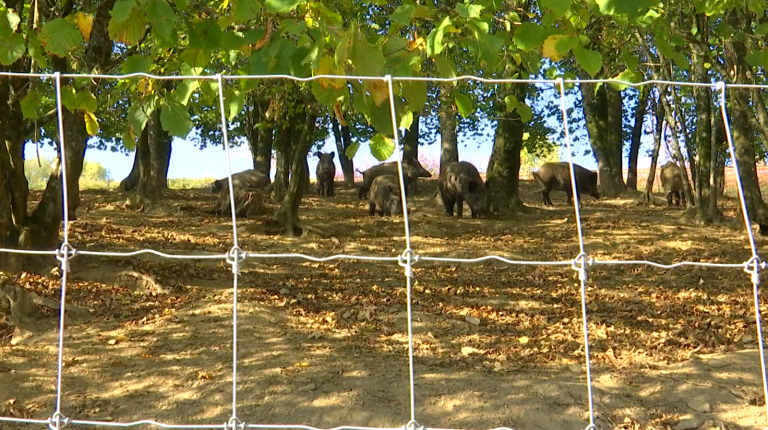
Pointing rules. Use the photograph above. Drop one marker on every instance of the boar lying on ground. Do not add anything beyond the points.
(251, 178)
(325, 172)
(672, 182)
(412, 170)
(461, 182)
(385, 196)
(557, 177)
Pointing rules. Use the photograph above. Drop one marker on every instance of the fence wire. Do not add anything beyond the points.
(407, 259)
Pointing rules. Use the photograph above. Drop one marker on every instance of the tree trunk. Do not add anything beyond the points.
(657, 136)
(602, 111)
(717, 161)
(449, 140)
(288, 213)
(130, 181)
(259, 134)
(283, 165)
(161, 156)
(703, 97)
(503, 173)
(304, 173)
(677, 152)
(762, 115)
(637, 134)
(411, 148)
(343, 141)
(690, 149)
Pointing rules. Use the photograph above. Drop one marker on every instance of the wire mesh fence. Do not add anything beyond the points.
(407, 259)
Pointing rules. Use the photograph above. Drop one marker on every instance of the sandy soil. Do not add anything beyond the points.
(325, 344)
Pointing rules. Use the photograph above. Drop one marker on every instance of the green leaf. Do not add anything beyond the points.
(467, 10)
(282, 6)
(128, 27)
(175, 119)
(762, 29)
(196, 59)
(607, 7)
(626, 76)
(367, 59)
(406, 120)
(205, 34)
(138, 115)
(136, 64)
(565, 44)
(529, 36)
(558, 7)
(330, 95)
(464, 104)
(31, 105)
(402, 15)
(85, 101)
(234, 103)
(68, 97)
(161, 16)
(91, 124)
(245, 10)
(631, 60)
(511, 103)
(36, 50)
(416, 93)
(342, 49)
(182, 5)
(59, 37)
(525, 112)
(382, 147)
(435, 38)
(12, 49)
(184, 90)
(445, 67)
(589, 60)
(352, 150)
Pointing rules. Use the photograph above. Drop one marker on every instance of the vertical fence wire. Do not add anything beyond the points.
(58, 419)
(581, 261)
(407, 259)
(235, 255)
(752, 266)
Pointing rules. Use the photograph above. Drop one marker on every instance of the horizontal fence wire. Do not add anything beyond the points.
(407, 259)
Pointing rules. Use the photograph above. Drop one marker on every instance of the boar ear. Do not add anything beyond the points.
(318, 154)
(332, 154)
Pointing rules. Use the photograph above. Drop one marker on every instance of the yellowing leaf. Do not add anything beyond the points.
(339, 114)
(302, 364)
(327, 66)
(145, 86)
(548, 49)
(523, 340)
(379, 92)
(91, 124)
(417, 45)
(84, 23)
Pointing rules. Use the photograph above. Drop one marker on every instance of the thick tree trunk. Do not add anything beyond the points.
(259, 134)
(343, 141)
(602, 111)
(161, 155)
(449, 140)
(130, 181)
(503, 173)
(304, 173)
(411, 139)
(690, 149)
(762, 115)
(283, 165)
(657, 136)
(153, 153)
(288, 213)
(637, 134)
(742, 134)
(717, 161)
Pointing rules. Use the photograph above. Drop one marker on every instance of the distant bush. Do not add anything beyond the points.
(187, 183)
(95, 176)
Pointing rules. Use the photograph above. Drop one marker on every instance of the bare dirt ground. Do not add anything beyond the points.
(325, 344)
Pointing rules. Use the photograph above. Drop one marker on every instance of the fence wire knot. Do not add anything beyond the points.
(235, 256)
(406, 260)
(592, 426)
(57, 421)
(413, 425)
(580, 264)
(752, 266)
(234, 423)
(64, 253)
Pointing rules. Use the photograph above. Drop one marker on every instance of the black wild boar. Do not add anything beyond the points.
(412, 170)
(672, 182)
(557, 177)
(385, 196)
(250, 178)
(461, 182)
(326, 172)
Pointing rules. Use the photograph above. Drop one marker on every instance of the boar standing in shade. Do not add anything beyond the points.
(412, 170)
(326, 172)
(672, 182)
(461, 182)
(250, 178)
(385, 196)
(557, 177)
